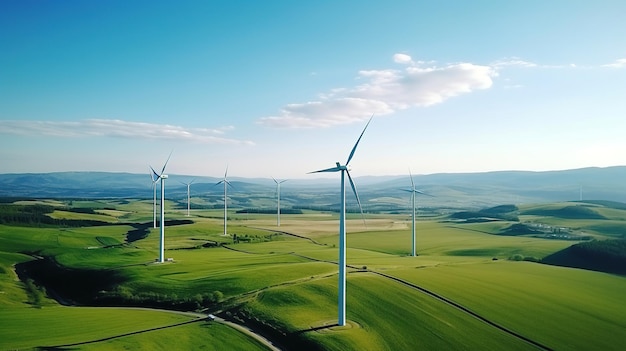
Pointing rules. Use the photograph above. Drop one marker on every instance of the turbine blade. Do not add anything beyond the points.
(284, 180)
(220, 182)
(155, 175)
(415, 191)
(168, 160)
(333, 169)
(356, 194)
(423, 193)
(191, 182)
(228, 183)
(358, 140)
(152, 174)
(275, 181)
(226, 172)
(412, 184)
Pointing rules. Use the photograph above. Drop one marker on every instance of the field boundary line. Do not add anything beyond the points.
(443, 299)
(125, 334)
(464, 309)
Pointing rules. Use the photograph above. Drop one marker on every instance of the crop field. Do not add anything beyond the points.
(474, 284)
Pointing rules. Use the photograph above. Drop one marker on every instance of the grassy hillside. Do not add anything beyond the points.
(283, 281)
(604, 256)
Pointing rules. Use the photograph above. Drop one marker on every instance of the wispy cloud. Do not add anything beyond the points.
(384, 92)
(513, 61)
(521, 63)
(617, 64)
(118, 128)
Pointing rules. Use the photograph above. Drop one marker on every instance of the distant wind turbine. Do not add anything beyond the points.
(226, 184)
(188, 184)
(581, 193)
(414, 193)
(278, 182)
(342, 226)
(162, 177)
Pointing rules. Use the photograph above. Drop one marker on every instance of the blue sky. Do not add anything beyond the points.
(282, 88)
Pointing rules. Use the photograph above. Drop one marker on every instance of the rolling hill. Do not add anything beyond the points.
(449, 190)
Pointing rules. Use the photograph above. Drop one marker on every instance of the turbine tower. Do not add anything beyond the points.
(188, 184)
(414, 193)
(226, 184)
(154, 181)
(581, 193)
(161, 176)
(342, 226)
(278, 182)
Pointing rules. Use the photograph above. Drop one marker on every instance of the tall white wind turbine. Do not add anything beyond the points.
(188, 184)
(161, 176)
(342, 227)
(278, 183)
(226, 184)
(414, 193)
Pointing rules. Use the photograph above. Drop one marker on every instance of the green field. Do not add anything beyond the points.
(90, 328)
(463, 291)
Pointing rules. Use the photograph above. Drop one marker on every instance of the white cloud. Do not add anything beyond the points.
(384, 92)
(402, 58)
(327, 113)
(117, 128)
(617, 64)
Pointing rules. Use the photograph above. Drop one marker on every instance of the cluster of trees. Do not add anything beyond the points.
(36, 294)
(25, 214)
(520, 257)
(37, 216)
(123, 296)
(250, 238)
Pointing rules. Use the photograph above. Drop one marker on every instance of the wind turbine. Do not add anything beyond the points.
(278, 182)
(581, 193)
(342, 226)
(414, 193)
(188, 184)
(226, 184)
(161, 177)
(154, 181)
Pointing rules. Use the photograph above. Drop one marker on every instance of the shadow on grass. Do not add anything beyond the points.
(321, 327)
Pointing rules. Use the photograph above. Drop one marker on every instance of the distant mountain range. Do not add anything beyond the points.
(448, 190)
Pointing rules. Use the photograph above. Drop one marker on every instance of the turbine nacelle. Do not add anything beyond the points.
(343, 168)
(163, 176)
